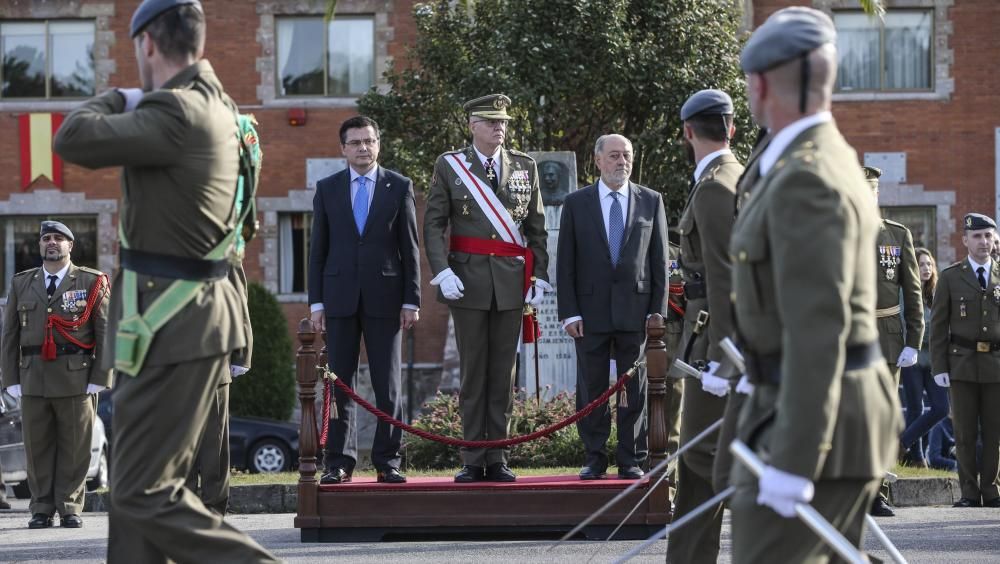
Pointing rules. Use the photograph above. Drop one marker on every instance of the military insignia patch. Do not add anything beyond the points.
(519, 188)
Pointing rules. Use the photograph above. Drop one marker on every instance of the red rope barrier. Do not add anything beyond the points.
(386, 418)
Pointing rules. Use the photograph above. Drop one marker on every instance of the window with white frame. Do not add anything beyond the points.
(332, 59)
(893, 56)
(47, 59)
(294, 230)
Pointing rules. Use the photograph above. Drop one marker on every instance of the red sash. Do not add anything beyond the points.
(64, 326)
(472, 245)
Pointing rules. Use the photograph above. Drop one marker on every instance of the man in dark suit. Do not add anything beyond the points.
(364, 279)
(611, 273)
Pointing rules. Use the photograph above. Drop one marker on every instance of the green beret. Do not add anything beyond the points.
(55, 227)
(787, 34)
(492, 106)
(977, 221)
(715, 102)
(150, 9)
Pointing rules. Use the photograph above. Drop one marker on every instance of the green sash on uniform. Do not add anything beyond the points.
(135, 330)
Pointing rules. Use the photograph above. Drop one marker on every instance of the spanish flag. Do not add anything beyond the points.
(37, 156)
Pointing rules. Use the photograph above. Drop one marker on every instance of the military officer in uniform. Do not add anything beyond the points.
(824, 416)
(176, 315)
(965, 356)
(54, 325)
(494, 263)
(899, 290)
(705, 228)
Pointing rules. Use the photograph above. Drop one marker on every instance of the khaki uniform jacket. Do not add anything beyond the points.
(450, 203)
(705, 228)
(895, 277)
(180, 156)
(804, 281)
(963, 309)
(25, 317)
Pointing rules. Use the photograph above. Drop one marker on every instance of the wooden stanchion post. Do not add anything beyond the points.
(307, 516)
(656, 374)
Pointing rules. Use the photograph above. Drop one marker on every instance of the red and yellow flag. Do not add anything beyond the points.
(37, 156)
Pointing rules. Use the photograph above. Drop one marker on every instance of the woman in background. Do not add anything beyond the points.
(917, 379)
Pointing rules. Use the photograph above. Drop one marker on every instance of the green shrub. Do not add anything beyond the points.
(268, 390)
(563, 448)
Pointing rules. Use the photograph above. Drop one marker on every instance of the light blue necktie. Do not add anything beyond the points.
(361, 204)
(616, 229)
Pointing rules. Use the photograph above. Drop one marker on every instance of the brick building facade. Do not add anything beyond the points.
(933, 130)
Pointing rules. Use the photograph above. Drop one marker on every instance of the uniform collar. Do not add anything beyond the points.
(707, 160)
(482, 158)
(59, 275)
(975, 265)
(784, 138)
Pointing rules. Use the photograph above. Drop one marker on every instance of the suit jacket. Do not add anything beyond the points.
(899, 278)
(804, 281)
(612, 298)
(451, 205)
(705, 227)
(25, 317)
(180, 154)
(378, 269)
(962, 308)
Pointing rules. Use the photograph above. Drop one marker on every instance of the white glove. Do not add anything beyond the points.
(781, 491)
(14, 390)
(942, 380)
(536, 292)
(238, 370)
(713, 384)
(132, 97)
(744, 386)
(907, 358)
(451, 286)
(94, 389)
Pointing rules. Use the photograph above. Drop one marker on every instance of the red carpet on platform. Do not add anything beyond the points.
(447, 483)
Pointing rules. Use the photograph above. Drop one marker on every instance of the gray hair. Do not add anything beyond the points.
(599, 146)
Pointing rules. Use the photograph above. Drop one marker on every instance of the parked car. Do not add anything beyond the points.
(15, 462)
(256, 444)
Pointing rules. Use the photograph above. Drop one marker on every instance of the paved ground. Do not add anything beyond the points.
(924, 535)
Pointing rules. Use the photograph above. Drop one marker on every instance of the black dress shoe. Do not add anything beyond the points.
(967, 502)
(336, 476)
(592, 473)
(469, 474)
(40, 521)
(995, 502)
(880, 507)
(4, 504)
(71, 521)
(630, 472)
(499, 472)
(391, 476)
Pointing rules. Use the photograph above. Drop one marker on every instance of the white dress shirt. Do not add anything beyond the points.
(703, 163)
(784, 138)
(496, 161)
(986, 266)
(59, 275)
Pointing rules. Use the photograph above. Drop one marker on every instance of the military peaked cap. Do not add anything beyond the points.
(55, 227)
(787, 34)
(492, 106)
(149, 9)
(977, 221)
(707, 102)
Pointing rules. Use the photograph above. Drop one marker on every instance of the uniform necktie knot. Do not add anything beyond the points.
(491, 174)
(51, 288)
(982, 276)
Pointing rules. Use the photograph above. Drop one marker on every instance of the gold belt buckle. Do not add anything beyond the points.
(982, 346)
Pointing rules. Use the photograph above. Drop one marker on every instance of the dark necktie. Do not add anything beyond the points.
(616, 229)
(51, 288)
(982, 277)
(491, 174)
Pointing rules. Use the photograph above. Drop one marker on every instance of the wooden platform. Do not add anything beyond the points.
(534, 507)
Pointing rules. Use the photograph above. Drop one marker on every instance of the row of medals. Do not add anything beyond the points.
(889, 259)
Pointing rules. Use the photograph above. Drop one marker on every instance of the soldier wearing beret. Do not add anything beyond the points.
(823, 415)
(52, 347)
(965, 356)
(899, 290)
(176, 315)
(705, 229)
(491, 267)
